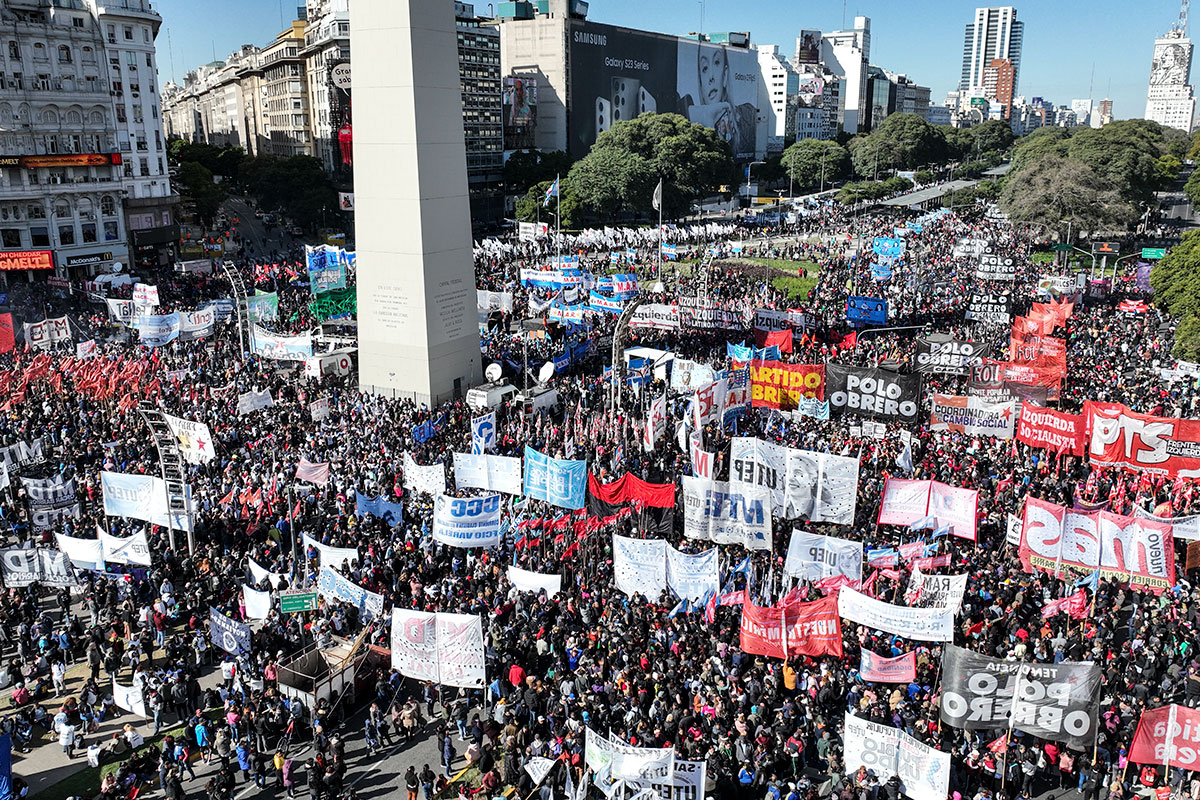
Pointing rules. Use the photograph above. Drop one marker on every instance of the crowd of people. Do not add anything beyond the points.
(590, 656)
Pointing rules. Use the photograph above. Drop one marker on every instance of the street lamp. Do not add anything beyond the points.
(748, 166)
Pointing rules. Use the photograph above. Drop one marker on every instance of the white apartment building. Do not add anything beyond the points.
(780, 82)
(993, 33)
(847, 54)
(83, 177)
(327, 44)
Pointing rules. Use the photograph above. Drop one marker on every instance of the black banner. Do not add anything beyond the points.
(995, 267)
(1054, 701)
(991, 308)
(948, 356)
(873, 393)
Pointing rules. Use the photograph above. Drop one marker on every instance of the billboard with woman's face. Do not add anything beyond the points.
(718, 88)
(1172, 63)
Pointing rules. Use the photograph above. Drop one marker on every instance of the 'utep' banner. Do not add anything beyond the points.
(714, 513)
(802, 484)
(230, 635)
(559, 482)
(924, 771)
(973, 416)
(1051, 430)
(866, 310)
(488, 472)
(1054, 701)
(1055, 539)
(467, 521)
(1125, 438)
(793, 629)
(948, 356)
(1168, 735)
(442, 648)
(141, 497)
(812, 557)
(876, 668)
(774, 384)
(875, 393)
(921, 624)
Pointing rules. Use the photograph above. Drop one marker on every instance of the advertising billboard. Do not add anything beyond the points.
(520, 101)
(808, 47)
(618, 74)
(26, 259)
(1171, 64)
(810, 85)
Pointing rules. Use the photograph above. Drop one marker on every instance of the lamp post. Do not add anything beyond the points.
(749, 203)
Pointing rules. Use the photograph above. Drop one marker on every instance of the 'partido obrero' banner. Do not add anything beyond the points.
(774, 384)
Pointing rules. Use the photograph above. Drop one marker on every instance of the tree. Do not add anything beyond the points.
(530, 205)
(297, 186)
(1054, 190)
(912, 140)
(871, 153)
(808, 160)
(527, 167)
(692, 161)
(993, 136)
(1176, 283)
(196, 182)
(609, 182)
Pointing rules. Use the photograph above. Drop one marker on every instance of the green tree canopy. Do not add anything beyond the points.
(524, 168)
(1054, 190)
(298, 186)
(196, 182)
(906, 141)
(691, 160)
(1176, 283)
(806, 161)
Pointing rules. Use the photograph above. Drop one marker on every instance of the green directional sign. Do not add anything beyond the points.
(295, 602)
(1062, 247)
(1153, 253)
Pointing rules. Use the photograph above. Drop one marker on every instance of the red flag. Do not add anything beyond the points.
(999, 745)
(850, 340)
(974, 629)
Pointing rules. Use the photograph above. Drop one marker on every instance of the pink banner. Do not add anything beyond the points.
(902, 669)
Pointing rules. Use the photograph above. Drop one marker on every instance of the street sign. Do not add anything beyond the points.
(1105, 248)
(1153, 253)
(1061, 247)
(295, 602)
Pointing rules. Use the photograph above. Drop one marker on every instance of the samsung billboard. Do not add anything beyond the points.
(617, 74)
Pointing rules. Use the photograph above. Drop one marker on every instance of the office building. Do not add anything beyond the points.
(999, 80)
(83, 181)
(995, 33)
(289, 131)
(1103, 114)
(781, 82)
(1083, 111)
(591, 76)
(1169, 98)
(846, 54)
(482, 113)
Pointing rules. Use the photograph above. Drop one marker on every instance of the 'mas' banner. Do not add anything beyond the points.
(1055, 539)
(1054, 701)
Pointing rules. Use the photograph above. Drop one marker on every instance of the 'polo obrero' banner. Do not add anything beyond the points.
(942, 354)
(1054, 701)
(875, 393)
(921, 624)
(924, 771)
(1057, 540)
(775, 384)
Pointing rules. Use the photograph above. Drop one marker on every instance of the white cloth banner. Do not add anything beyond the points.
(145, 295)
(141, 497)
(443, 648)
(935, 591)
(921, 624)
(714, 513)
(620, 761)
(253, 401)
(812, 557)
(47, 332)
(467, 521)
(526, 581)
(328, 556)
(1013, 534)
(129, 698)
(430, 480)
(279, 348)
(258, 604)
(319, 409)
(820, 487)
(924, 771)
(83, 553)
(125, 550)
(640, 566)
(1181, 527)
(260, 573)
(906, 501)
(195, 441)
(488, 472)
(692, 576)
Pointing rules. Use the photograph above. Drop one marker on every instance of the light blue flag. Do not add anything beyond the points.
(924, 524)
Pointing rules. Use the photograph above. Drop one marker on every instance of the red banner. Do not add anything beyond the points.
(1075, 605)
(931, 562)
(1060, 540)
(794, 629)
(990, 371)
(1044, 351)
(1124, 438)
(7, 342)
(902, 669)
(783, 339)
(1051, 430)
(774, 384)
(630, 488)
(1170, 734)
(1061, 312)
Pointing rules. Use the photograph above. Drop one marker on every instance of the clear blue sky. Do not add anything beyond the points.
(921, 38)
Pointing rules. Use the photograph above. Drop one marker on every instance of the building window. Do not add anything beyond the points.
(149, 60)
(39, 52)
(144, 167)
(129, 33)
(39, 236)
(64, 54)
(77, 22)
(89, 232)
(110, 231)
(107, 207)
(14, 51)
(35, 211)
(10, 238)
(61, 210)
(66, 234)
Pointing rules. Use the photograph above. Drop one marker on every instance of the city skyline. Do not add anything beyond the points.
(1054, 66)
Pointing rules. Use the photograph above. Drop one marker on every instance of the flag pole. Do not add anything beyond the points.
(558, 222)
